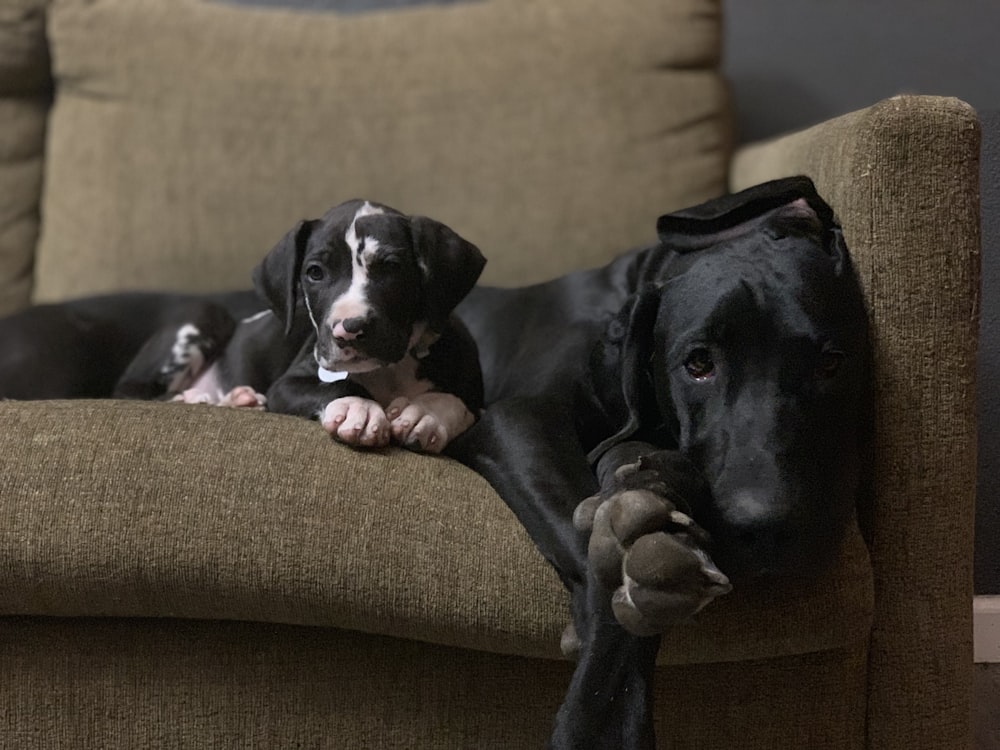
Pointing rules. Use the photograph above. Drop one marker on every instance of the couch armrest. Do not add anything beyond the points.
(902, 176)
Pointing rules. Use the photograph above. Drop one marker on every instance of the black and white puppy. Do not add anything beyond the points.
(359, 334)
(385, 358)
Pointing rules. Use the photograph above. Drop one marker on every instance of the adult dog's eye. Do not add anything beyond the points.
(699, 364)
(315, 272)
(829, 362)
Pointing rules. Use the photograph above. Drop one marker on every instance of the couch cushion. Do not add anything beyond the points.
(151, 510)
(24, 95)
(188, 136)
(126, 684)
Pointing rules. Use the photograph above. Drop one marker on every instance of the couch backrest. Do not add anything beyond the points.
(188, 135)
(24, 101)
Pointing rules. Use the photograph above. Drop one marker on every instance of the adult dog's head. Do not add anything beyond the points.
(754, 357)
(374, 283)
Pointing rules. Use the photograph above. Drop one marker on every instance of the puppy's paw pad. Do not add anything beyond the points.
(356, 421)
(194, 396)
(427, 436)
(418, 429)
(244, 397)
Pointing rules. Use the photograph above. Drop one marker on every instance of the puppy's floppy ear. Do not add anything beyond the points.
(276, 277)
(740, 213)
(620, 370)
(451, 266)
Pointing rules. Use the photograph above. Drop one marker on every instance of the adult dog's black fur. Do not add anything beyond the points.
(733, 356)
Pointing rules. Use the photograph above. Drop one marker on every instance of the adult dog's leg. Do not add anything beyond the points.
(527, 450)
(609, 703)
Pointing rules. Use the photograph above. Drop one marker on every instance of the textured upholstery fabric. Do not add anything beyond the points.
(903, 176)
(24, 94)
(133, 683)
(550, 134)
(211, 514)
(124, 684)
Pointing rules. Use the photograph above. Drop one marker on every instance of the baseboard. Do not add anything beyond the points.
(986, 628)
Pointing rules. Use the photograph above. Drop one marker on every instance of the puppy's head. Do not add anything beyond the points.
(374, 283)
(754, 358)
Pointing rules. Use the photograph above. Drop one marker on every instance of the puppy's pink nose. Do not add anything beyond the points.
(349, 329)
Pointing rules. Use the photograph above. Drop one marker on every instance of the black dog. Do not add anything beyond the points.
(720, 377)
(359, 335)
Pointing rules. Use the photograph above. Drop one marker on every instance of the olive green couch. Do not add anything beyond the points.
(184, 576)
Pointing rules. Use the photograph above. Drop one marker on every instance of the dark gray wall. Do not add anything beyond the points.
(988, 499)
(794, 63)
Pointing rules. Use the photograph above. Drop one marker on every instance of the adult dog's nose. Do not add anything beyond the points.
(762, 545)
(349, 329)
(757, 536)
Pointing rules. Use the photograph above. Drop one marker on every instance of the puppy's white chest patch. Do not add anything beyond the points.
(329, 376)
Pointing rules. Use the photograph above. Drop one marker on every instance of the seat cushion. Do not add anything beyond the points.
(125, 509)
(187, 136)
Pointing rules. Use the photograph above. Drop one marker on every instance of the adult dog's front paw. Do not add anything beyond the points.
(357, 421)
(645, 550)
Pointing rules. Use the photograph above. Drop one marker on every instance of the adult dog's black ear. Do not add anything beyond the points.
(837, 247)
(451, 266)
(276, 277)
(620, 370)
(738, 214)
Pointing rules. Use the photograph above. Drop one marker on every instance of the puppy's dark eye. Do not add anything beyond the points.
(828, 364)
(315, 272)
(699, 364)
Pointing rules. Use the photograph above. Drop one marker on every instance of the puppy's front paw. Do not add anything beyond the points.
(429, 421)
(416, 427)
(357, 421)
(194, 396)
(648, 553)
(244, 397)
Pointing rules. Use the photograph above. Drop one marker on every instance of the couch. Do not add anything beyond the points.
(184, 576)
